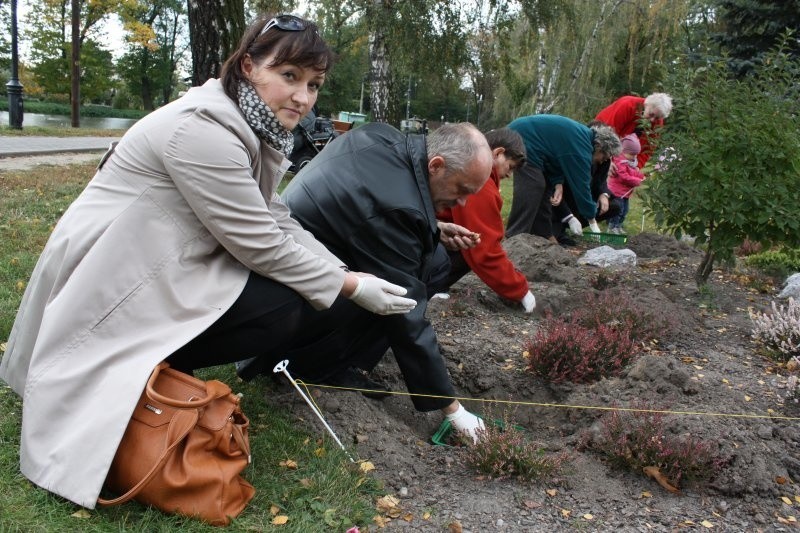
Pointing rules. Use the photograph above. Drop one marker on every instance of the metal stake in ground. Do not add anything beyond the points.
(281, 368)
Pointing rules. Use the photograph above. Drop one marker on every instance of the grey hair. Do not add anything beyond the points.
(458, 143)
(660, 101)
(606, 140)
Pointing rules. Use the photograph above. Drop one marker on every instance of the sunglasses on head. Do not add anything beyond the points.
(285, 23)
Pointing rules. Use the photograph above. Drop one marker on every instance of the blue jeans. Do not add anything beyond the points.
(617, 220)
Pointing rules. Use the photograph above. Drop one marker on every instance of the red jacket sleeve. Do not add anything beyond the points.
(488, 259)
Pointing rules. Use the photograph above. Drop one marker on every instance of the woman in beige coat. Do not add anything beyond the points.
(178, 248)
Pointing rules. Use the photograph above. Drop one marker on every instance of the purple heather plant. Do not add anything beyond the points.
(780, 330)
(639, 438)
(503, 452)
(566, 350)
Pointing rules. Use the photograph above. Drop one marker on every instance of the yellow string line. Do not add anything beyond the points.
(560, 405)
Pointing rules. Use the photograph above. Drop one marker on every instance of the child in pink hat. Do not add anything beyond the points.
(624, 177)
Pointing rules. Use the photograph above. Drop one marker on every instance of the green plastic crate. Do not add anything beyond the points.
(605, 238)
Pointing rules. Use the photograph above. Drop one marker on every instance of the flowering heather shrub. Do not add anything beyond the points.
(638, 439)
(616, 308)
(504, 452)
(567, 350)
(779, 331)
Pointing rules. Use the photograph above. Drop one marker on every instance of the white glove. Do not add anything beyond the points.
(466, 423)
(593, 226)
(574, 225)
(381, 297)
(529, 302)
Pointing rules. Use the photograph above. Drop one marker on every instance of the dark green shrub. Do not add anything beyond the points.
(718, 187)
(778, 263)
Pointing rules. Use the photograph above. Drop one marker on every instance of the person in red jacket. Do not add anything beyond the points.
(642, 116)
(481, 214)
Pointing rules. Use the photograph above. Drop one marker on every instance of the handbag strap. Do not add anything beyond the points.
(214, 389)
(180, 426)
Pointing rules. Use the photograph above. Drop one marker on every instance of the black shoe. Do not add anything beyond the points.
(354, 378)
(249, 368)
(563, 240)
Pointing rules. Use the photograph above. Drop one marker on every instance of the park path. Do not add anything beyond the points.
(24, 153)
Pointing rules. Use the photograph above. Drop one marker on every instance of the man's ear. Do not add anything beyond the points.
(497, 151)
(435, 164)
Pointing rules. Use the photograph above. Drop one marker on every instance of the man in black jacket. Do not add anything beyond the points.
(371, 197)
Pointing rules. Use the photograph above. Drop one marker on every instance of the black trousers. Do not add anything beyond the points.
(273, 322)
(531, 211)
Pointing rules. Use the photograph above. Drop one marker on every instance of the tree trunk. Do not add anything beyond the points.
(704, 268)
(215, 28)
(75, 65)
(379, 76)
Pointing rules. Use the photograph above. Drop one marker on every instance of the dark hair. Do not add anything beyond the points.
(510, 140)
(304, 48)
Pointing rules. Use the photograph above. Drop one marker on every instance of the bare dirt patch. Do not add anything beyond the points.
(708, 367)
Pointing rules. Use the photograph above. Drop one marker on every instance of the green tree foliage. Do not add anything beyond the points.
(48, 25)
(736, 158)
(149, 67)
(5, 41)
(345, 31)
(750, 28)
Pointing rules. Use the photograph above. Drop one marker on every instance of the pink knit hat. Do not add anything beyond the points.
(630, 144)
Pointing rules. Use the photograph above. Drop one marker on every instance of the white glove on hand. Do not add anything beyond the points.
(574, 225)
(593, 226)
(381, 297)
(466, 423)
(529, 302)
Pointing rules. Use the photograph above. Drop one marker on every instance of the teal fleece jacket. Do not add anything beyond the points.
(562, 148)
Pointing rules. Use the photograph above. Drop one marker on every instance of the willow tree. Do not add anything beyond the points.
(572, 57)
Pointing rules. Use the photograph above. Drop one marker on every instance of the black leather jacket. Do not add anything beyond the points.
(366, 197)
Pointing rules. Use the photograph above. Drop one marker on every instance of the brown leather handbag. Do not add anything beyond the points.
(184, 449)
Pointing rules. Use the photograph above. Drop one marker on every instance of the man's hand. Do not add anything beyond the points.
(467, 423)
(574, 225)
(528, 302)
(455, 237)
(380, 297)
(593, 226)
(558, 194)
(602, 204)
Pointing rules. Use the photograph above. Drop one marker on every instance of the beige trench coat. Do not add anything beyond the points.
(157, 247)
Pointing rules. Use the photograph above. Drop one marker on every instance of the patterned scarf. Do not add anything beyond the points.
(263, 121)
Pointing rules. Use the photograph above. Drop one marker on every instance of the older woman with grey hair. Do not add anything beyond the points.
(625, 115)
(562, 155)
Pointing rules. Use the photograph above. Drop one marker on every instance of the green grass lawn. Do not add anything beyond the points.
(325, 493)
(633, 221)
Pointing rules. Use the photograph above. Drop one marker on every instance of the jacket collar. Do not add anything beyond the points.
(418, 152)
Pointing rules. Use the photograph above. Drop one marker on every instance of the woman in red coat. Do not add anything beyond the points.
(630, 114)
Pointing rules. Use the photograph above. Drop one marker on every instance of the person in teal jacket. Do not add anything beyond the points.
(560, 153)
